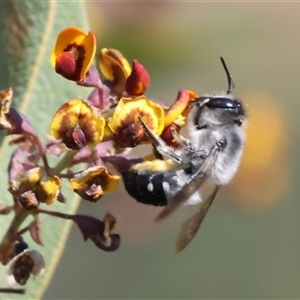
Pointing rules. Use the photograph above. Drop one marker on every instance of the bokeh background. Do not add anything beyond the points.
(249, 243)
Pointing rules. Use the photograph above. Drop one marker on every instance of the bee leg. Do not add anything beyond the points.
(184, 143)
(209, 161)
(194, 182)
(160, 145)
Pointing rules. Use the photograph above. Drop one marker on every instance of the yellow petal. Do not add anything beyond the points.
(129, 110)
(113, 64)
(47, 190)
(28, 180)
(78, 112)
(180, 106)
(83, 45)
(98, 174)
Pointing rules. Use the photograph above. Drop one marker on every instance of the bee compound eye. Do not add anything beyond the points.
(222, 102)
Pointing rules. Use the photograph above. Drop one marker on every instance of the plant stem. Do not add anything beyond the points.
(9, 239)
(64, 162)
(12, 291)
(56, 214)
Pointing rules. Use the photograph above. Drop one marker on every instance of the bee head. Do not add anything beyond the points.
(217, 110)
(220, 109)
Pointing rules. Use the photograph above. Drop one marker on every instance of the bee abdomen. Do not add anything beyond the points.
(145, 187)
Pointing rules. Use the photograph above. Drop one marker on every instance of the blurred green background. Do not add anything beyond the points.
(249, 243)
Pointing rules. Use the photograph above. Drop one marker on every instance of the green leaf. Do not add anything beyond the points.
(28, 31)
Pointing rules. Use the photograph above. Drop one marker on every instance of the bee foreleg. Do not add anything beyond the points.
(160, 145)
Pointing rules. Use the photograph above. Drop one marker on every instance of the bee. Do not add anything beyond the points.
(212, 153)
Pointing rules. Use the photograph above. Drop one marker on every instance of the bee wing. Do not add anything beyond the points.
(190, 226)
(192, 185)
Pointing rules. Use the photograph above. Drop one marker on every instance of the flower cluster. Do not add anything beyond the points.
(105, 125)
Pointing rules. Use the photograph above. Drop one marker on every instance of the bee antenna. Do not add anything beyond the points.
(231, 85)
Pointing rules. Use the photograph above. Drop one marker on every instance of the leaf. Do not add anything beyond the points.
(28, 31)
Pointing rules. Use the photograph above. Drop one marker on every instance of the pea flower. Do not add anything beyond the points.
(125, 126)
(115, 68)
(93, 182)
(73, 53)
(5, 102)
(34, 187)
(28, 262)
(138, 81)
(78, 124)
(99, 232)
(176, 115)
(180, 108)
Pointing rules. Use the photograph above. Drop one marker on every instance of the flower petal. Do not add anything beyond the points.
(138, 81)
(93, 182)
(48, 190)
(28, 180)
(180, 106)
(125, 121)
(77, 124)
(73, 40)
(115, 68)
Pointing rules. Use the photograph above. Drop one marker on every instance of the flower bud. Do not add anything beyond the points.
(138, 81)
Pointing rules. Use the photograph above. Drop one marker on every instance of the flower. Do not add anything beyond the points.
(180, 108)
(5, 102)
(29, 262)
(125, 125)
(34, 187)
(115, 68)
(73, 53)
(78, 124)
(99, 231)
(138, 81)
(11, 119)
(24, 157)
(176, 116)
(93, 182)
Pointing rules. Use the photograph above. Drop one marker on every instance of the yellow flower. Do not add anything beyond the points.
(93, 182)
(28, 180)
(47, 190)
(176, 116)
(115, 67)
(78, 124)
(5, 102)
(125, 125)
(73, 53)
(180, 108)
(34, 187)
